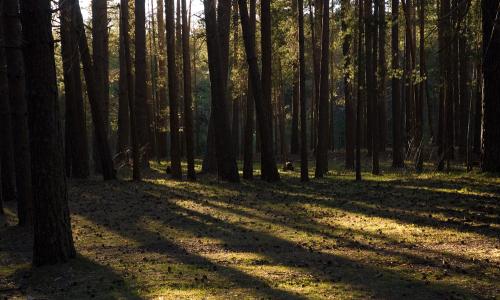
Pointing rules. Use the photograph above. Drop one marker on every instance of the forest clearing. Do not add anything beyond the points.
(427, 236)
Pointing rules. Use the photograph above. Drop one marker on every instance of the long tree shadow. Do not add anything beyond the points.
(324, 266)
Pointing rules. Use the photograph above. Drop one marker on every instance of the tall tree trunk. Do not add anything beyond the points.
(349, 105)
(188, 100)
(397, 151)
(141, 99)
(175, 154)
(134, 141)
(95, 98)
(323, 123)
(360, 89)
(376, 91)
(162, 82)
(294, 142)
(100, 54)
(123, 141)
(382, 112)
(304, 170)
(490, 136)
(77, 159)
(226, 162)
(249, 118)
(464, 90)
(53, 241)
(262, 104)
(419, 100)
(19, 111)
(7, 169)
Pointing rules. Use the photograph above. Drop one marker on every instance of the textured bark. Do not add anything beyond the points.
(397, 125)
(323, 123)
(304, 170)
(249, 118)
(188, 100)
(173, 92)
(53, 241)
(262, 105)
(8, 173)
(226, 161)
(490, 136)
(95, 97)
(77, 158)
(123, 140)
(19, 112)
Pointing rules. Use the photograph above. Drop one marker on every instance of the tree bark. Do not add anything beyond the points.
(490, 136)
(349, 106)
(262, 105)
(123, 141)
(397, 125)
(323, 123)
(226, 161)
(77, 159)
(53, 241)
(249, 118)
(304, 170)
(360, 89)
(95, 99)
(188, 100)
(162, 82)
(175, 154)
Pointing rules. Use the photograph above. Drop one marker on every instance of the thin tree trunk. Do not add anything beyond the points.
(123, 141)
(382, 99)
(361, 88)
(397, 151)
(175, 154)
(188, 100)
(53, 241)
(304, 170)
(419, 100)
(162, 82)
(349, 105)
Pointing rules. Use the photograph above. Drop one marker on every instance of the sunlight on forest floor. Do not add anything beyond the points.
(399, 235)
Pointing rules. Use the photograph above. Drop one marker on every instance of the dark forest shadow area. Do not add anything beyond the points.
(431, 236)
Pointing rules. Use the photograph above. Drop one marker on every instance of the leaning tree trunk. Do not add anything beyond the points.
(53, 241)
(263, 106)
(323, 124)
(95, 99)
(227, 168)
(175, 154)
(188, 100)
(490, 137)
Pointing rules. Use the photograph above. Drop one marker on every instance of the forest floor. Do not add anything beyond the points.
(396, 236)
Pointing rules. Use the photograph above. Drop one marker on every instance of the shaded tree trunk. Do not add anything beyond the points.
(382, 112)
(175, 154)
(226, 161)
(397, 124)
(162, 82)
(77, 158)
(262, 105)
(249, 118)
(188, 100)
(123, 141)
(419, 99)
(360, 89)
(8, 174)
(304, 170)
(323, 123)
(349, 105)
(490, 136)
(53, 241)
(94, 96)
(294, 142)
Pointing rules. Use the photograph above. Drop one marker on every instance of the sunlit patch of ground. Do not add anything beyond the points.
(400, 235)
